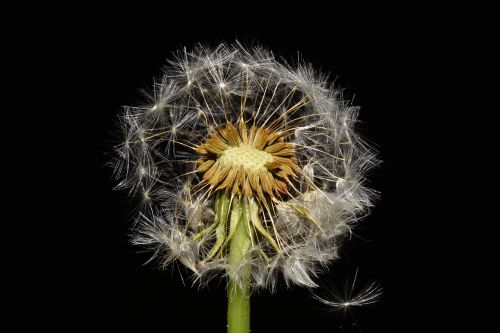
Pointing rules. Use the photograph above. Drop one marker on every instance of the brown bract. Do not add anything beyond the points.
(248, 161)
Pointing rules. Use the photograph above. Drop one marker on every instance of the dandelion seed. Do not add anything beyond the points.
(350, 296)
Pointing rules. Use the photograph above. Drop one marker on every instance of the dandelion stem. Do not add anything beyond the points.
(238, 291)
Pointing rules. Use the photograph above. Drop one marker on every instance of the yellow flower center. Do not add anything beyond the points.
(252, 160)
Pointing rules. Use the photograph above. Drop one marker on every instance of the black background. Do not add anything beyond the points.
(396, 67)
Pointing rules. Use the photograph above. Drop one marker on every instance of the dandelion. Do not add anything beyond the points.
(247, 167)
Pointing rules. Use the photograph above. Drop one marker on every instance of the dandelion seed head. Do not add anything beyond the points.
(235, 120)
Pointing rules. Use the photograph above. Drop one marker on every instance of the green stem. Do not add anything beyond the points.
(238, 291)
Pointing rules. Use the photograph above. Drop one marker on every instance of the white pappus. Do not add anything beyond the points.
(350, 296)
